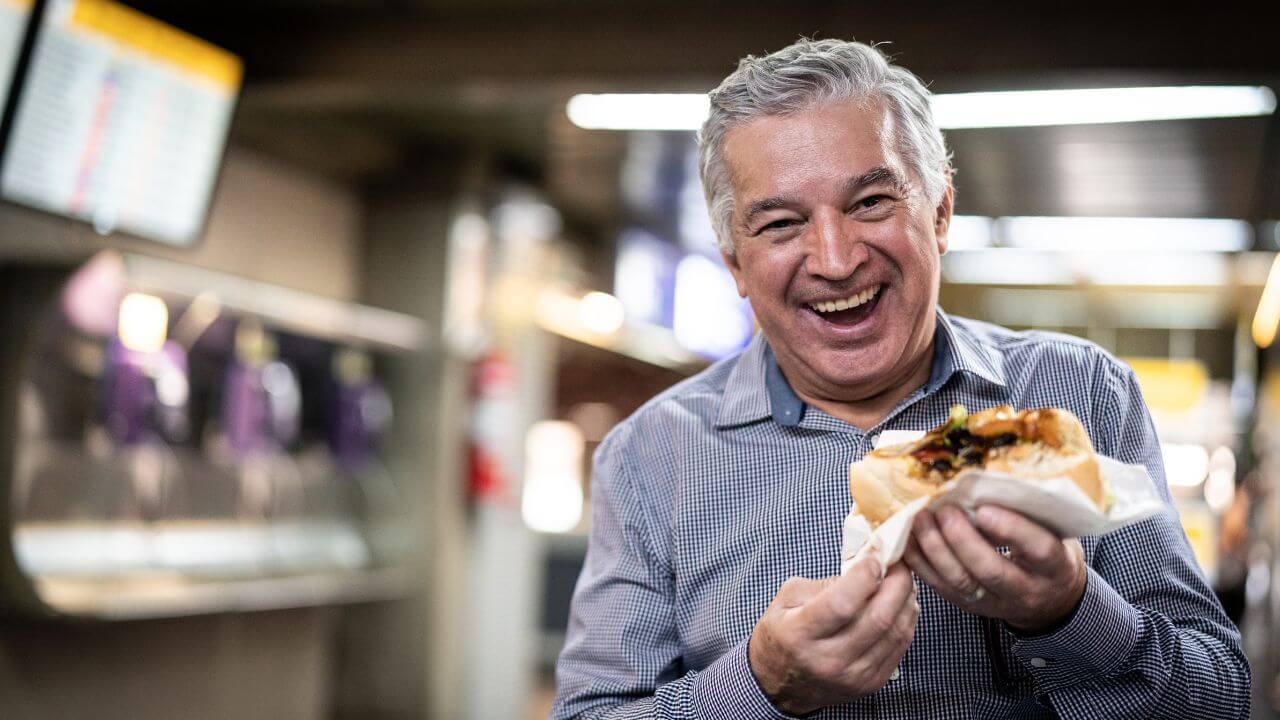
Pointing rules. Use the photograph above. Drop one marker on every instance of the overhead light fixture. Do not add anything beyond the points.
(1018, 266)
(969, 232)
(639, 111)
(1125, 234)
(1026, 108)
(1005, 266)
(1010, 108)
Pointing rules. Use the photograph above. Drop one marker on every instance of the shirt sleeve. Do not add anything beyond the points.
(1149, 638)
(622, 656)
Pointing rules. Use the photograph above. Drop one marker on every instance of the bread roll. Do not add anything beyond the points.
(1031, 445)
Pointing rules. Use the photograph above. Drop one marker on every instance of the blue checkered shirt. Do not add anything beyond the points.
(721, 488)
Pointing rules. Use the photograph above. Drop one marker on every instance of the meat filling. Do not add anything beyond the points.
(951, 450)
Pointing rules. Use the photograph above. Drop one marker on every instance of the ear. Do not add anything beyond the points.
(942, 218)
(731, 262)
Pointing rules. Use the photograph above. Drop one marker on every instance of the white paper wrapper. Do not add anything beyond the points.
(1057, 504)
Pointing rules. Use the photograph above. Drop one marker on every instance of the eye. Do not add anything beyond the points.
(870, 202)
(781, 224)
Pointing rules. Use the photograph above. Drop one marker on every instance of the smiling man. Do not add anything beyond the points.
(829, 186)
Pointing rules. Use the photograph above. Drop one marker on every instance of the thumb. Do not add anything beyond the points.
(797, 591)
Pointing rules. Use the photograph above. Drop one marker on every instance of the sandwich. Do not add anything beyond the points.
(1031, 445)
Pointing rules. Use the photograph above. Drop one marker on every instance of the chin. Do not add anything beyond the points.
(851, 369)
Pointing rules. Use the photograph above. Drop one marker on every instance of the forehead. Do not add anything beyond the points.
(811, 149)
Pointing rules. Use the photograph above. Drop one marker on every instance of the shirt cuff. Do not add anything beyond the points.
(1094, 643)
(727, 690)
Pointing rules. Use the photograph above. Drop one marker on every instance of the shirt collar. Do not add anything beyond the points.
(957, 348)
(756, 388)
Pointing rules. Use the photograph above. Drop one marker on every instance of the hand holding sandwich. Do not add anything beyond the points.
(1040, 583)
(832, 641)
(1034, 589)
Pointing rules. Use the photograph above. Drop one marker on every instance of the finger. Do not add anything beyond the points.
(992, 571)
(1032, 544)
(896, 592)
(887, 649)
(921, 565)
(796, 591)
(951, 573)
(840, 601)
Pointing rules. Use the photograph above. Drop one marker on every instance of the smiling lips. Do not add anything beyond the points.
(830, 306)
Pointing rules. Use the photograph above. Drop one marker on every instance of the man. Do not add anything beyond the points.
(829, 185)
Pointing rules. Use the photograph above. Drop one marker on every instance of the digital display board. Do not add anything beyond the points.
(121, 122)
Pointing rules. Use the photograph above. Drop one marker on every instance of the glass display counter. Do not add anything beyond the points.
(178, 441)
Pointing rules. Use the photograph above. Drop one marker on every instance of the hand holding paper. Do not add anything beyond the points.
(1034, 588)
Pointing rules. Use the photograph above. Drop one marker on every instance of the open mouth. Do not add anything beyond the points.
(848, 311)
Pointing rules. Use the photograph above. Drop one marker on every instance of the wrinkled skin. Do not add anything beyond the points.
(824, 236)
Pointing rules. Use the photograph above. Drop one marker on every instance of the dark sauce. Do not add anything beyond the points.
(958, 448)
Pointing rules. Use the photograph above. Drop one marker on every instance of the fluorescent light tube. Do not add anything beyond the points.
(1011, 108)
(639, 111)
(1015, 266)
(1005, 266)
(1024, 108)
(1125, 234)
(969, 232)
(1155, 269)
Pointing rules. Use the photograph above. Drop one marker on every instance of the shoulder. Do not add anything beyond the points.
(1049, 369)
(1039, 351)
(689, 404)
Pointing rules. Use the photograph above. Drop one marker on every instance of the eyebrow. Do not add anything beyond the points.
(875, 176)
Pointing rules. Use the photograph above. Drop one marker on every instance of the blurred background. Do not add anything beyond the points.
(314, 312)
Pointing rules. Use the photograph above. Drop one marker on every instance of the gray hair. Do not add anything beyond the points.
(795, 78)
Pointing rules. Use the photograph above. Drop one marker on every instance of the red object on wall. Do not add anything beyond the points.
(492, 390)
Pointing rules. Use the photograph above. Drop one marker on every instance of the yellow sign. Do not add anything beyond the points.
(1201, 527)
(162, 42)
(1171, 385)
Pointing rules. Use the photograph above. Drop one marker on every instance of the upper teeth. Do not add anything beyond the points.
(845, 304)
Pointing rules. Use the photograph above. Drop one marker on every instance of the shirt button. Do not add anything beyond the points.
(1039, 662)
(895, 674)
(872, 440)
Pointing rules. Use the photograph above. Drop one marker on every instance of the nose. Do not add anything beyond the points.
(834, 251)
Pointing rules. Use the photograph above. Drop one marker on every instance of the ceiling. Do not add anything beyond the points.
(359, 89)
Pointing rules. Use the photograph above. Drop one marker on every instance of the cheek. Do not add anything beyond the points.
(917, 256)
(766, 276)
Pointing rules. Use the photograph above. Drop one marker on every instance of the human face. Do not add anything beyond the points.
(826, 210)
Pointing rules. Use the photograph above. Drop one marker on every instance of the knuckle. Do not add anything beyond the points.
(963, 582)
(990, 573)
(929, 540)
(1043, 553)
(791, 583)
(828, 668)
(842, 606)
(783, 630)
(880, 621)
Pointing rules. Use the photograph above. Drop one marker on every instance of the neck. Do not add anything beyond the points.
(868, 410)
